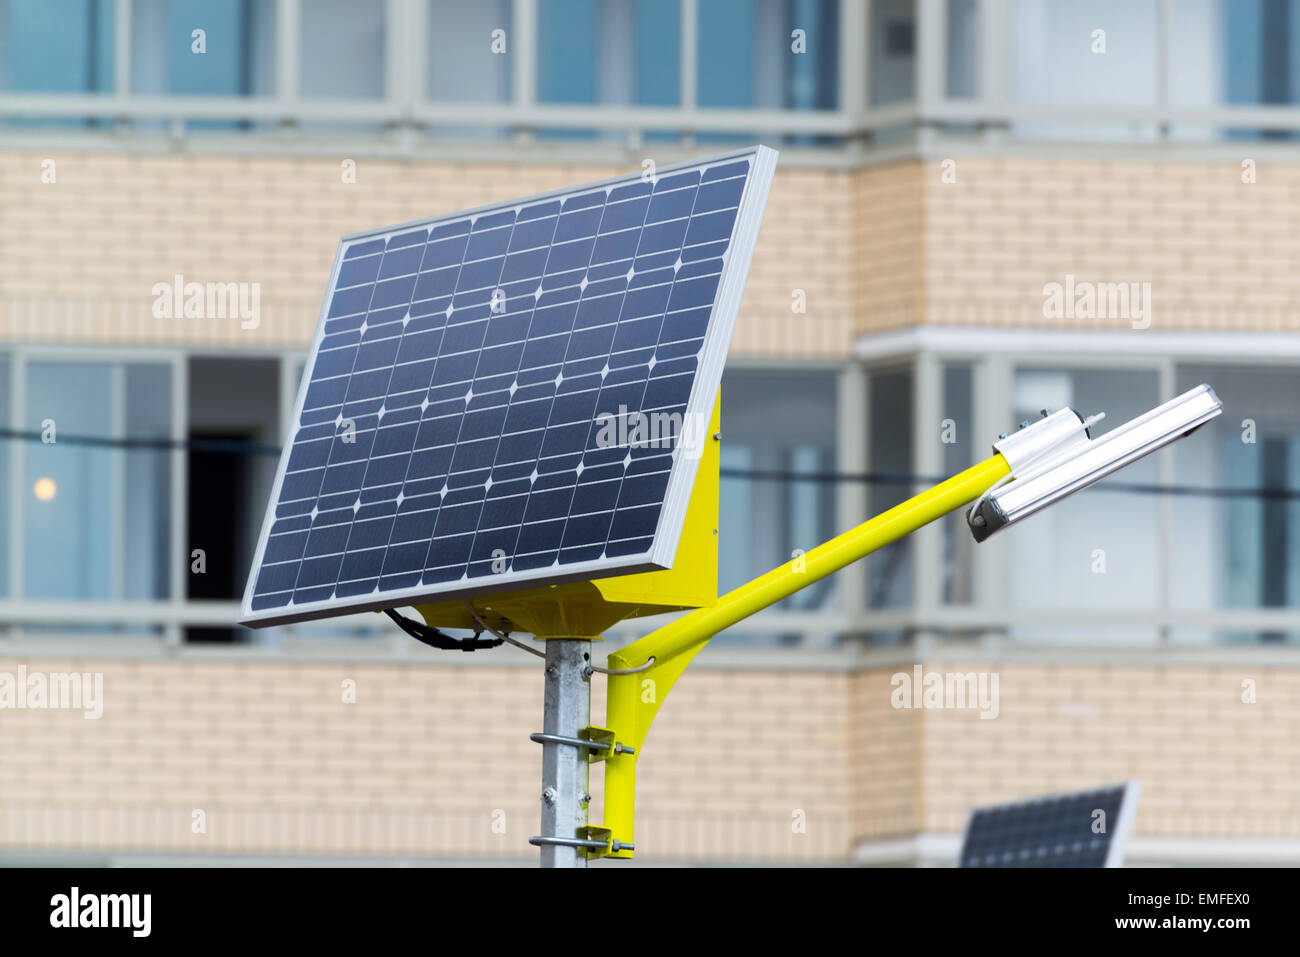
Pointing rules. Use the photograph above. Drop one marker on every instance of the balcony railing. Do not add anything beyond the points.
(405, 120)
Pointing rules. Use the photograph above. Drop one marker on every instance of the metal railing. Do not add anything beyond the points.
(407, 118)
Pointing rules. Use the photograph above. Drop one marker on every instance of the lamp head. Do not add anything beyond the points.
(1057, 456)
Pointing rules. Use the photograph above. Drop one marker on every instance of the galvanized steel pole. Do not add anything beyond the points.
(565, 766)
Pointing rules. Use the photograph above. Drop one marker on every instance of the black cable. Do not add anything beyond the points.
(238, 447)
(437, 639)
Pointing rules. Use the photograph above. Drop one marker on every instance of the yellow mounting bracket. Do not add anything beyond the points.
(634, 699)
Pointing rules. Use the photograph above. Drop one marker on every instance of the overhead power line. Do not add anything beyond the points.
(254, 449)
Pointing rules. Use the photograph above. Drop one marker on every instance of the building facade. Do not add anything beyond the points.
(983, 208)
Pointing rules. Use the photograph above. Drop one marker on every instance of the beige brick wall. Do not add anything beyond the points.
(79, 257)
(889, 244)
(871, 249)
(416, 768)
(1210, 764)
(429, 753)
(1219, 254)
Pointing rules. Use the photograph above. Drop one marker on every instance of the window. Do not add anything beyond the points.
(963, 39)
(148, 481)
(893, 51)
(957, 435)
(96, 518)
(463, 66)
(64, 47)
(747, 54)
(1105, 53)
(342, 50)
(237, 47)
(1240, 548)
(1234, 52)
(1097, 550)
(889, 454)
(6, 526)
(608, 51)
(776, 426)
(1260, 41)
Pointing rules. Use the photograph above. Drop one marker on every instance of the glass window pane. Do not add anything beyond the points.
(748, 54)
(464, 66)
(67, 486)
(814, 74)
(56, 46)
(1240, 548)
(566, 51)
(889, 456)
(148, 482)
(342, 50)
(1226, 52)
(232, 57)
(955, 433)
(1261, 40)
(5, 458)
(775, 427)
(608, 51)
(893, 51)
(1098, 549)
(727, 34)
(963, 31)
(658, 53)
(1058, 57)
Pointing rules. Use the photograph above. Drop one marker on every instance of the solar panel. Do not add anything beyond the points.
(473, 414)
(1058, 831)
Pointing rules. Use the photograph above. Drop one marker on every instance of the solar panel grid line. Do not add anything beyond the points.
(677, 450)
(473, 377)
(623, 478)
(634, 276)
(513, 552)
(339, 421)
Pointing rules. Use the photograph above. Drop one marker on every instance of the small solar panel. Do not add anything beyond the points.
(468, 419)
(1059, 831)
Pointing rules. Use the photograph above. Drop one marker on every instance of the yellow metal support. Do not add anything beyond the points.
(635, 699)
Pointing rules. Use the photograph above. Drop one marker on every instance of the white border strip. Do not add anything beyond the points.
(1128, 806)
(935, 849)
(976, 340)
(717, 342)
(726, 306)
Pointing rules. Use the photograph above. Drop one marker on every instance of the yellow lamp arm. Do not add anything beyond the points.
(634, 699)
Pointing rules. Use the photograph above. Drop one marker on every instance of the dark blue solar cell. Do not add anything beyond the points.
(357, 271)
(726, 171)
(483, 274)
(410, 238)
(692, 293)
(480, 386)
(581, 224)
(710, 227)
(359, 249)
(392, 291)
(625, 215)
(719, 195)
(615, 247)
(443, 252)
(348, 302)
(399, 262)
(666, 207)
